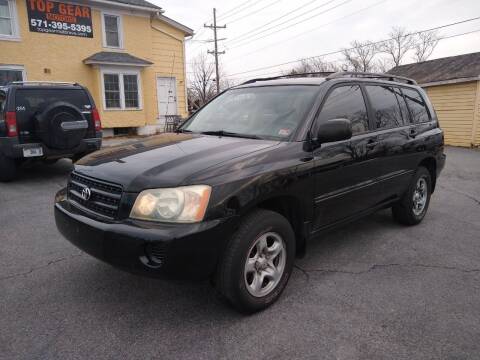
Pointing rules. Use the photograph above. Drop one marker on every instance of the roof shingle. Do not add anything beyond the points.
(119, 58)
(448, 68)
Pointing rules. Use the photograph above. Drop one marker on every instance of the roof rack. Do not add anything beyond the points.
(309, 74)
(367, 75)
(43, 83)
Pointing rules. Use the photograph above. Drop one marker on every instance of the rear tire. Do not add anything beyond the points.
(413, 206)
(8, 168)
(257, 262)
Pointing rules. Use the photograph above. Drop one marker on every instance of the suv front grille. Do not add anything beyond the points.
(104, 199)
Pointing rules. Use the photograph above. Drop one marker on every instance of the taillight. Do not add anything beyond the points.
(96, 120)
(11, 121)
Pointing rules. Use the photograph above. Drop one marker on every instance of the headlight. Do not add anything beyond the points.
(186, 204)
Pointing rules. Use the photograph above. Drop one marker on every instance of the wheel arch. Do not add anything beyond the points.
(431, 165)
(291, 208)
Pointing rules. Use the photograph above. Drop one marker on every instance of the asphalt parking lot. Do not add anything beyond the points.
(372, 290)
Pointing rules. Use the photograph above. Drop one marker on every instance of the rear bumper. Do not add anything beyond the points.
(441, 158)
(10, 147)
(179, 251)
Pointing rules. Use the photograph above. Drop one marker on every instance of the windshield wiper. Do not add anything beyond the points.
(229, 133)
(183, 131)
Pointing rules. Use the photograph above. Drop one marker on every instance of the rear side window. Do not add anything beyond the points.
(417, 106)
(346, 102)
(29, 101)
(386, 110)
(3, 99)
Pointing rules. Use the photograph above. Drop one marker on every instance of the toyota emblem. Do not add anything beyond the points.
(86, 193)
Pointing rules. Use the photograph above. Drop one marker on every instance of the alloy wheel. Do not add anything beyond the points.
(420, 194)
(265, 264)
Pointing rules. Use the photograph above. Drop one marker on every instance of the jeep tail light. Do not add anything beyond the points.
(11, 121)
(96, 120)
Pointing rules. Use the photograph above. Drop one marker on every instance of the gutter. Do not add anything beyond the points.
(166, 33)
(188, 32)
(129, 6)
(88, 62)
(174, 23)
(452, 81)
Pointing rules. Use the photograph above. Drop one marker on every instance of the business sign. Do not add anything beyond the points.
(54, 17)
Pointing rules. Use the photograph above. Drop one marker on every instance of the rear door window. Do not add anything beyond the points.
(403, 106)
(386, 110)
(346, 102)
(417, 106)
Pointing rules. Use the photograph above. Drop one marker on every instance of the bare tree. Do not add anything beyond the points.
(201, 87)
(360, 55)
(398, 45)
(313, 65)
(383, 64)
(302, 68)
(226, 82)
(425, 43)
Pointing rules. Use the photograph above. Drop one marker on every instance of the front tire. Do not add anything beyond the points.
(413, 206)
(257, 262)
(8, 168)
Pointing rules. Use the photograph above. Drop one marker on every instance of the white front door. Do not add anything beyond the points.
(166, 97)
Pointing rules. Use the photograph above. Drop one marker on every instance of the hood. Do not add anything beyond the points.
(164, 160)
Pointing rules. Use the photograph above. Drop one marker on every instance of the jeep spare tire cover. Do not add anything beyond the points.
(61, 125)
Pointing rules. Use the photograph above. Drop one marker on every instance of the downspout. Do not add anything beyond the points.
(185, 79)
(182, 40)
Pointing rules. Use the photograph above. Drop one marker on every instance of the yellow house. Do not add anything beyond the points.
(453, 86)
(126, 52)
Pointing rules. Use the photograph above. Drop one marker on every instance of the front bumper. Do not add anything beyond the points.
(179, 251)
(10, 147)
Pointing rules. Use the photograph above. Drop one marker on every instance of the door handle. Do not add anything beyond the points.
(413, 132)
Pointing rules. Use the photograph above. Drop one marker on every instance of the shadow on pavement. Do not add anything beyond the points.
(31, 173)
(110, 290)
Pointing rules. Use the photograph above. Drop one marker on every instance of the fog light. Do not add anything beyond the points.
(154, 255)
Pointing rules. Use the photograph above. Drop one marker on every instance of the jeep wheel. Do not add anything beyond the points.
(61, 125)
(257, 262)
(411, 209)
(8, 168)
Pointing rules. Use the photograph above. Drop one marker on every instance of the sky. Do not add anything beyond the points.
(264, 33)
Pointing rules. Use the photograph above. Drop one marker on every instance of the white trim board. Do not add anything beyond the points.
(15, 67)
(119, 27)
(121, 72)
(12, 8)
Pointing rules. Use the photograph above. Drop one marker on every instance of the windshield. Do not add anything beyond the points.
(270, 112)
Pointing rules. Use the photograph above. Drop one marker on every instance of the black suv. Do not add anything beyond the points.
(252, 177)
(45, 121)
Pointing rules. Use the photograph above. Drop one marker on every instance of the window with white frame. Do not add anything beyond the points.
(121, 90)
(11, 73)
(8, 20)
(112, 30)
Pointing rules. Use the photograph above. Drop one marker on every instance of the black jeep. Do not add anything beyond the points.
(253, 176)
(45, 121)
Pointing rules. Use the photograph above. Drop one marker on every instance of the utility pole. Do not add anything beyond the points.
(215, 52)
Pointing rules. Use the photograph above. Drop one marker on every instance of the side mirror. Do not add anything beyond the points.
(334, 130)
